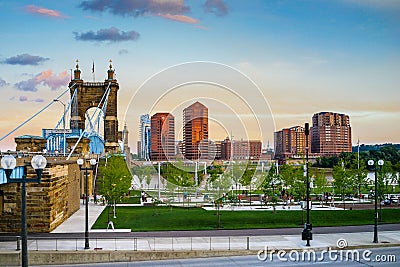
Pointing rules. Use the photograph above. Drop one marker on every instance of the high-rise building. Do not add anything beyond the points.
(195, 132)
(144, 135)
(330, 133)
(162, 137)
(290, 142)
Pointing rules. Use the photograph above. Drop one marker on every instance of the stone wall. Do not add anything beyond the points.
(48, 204)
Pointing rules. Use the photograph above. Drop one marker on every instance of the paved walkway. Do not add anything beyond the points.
(76, 223)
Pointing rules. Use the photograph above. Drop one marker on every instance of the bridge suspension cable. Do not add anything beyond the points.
(67, 109)
(34, 115)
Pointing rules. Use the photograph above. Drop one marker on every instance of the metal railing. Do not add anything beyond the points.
(8, 242)
(141, 243)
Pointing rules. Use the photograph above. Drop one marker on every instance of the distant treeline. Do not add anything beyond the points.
(388, 152)
(373, 147)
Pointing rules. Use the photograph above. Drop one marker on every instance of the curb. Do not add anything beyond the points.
(102, 256)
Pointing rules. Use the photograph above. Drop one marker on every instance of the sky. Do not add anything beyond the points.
(259, 66)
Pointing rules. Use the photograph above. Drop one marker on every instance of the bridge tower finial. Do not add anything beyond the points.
(111, 72)
(77, 72)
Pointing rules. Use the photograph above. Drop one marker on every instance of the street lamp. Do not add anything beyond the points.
(64, 144)
(372, 164)
(306, 234)
(86, 169)
(38, 163)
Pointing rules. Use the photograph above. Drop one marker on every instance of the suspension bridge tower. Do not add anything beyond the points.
(101, 95)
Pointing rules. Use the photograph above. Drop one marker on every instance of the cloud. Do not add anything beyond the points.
(38, 100)
(167, 9)
(3, 83)
(56, 81)
(43, 11)
(179, 18)
(123, 52)
(28, 85)
(217, 7)
(44, 78)
(24, 98)
(25, 59)
(112, 35)
(136, 8)
(201, 27)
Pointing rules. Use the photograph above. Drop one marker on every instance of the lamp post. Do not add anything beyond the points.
(58, 100)
(86, 169)
(38, 163)
(372, 164)
(306, 234)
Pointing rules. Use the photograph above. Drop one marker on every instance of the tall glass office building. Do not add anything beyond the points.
(144, 135)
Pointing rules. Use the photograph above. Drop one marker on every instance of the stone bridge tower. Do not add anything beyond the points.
(90, 94)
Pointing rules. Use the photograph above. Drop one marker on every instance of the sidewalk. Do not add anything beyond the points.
(76, 223)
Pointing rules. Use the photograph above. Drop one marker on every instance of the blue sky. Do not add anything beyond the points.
(304, 56)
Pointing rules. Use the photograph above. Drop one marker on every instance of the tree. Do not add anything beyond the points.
(116, 179)
(320, 182)
(359, 175)
(221, 182)
(144, 173)
(236, 172)
(342, 180)
(270, 180)
(294, 180)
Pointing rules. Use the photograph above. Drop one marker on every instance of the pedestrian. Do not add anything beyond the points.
(95, 199)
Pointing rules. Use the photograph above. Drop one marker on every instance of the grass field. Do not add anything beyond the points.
(176, 218)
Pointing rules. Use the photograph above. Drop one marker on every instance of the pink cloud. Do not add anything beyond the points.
(55, 81)
(179, 18)
(201, 27)
(46, 78)
(44, 75)
(23, 98)
(43, 11)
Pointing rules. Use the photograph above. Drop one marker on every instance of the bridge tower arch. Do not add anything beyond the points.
(92, 94)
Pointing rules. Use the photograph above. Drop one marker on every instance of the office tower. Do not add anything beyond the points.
(162, 137)
(144, 135)
(195, 132)
(330, 133)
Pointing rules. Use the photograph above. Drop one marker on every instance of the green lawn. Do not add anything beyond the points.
(165, 218)
(130, 200)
